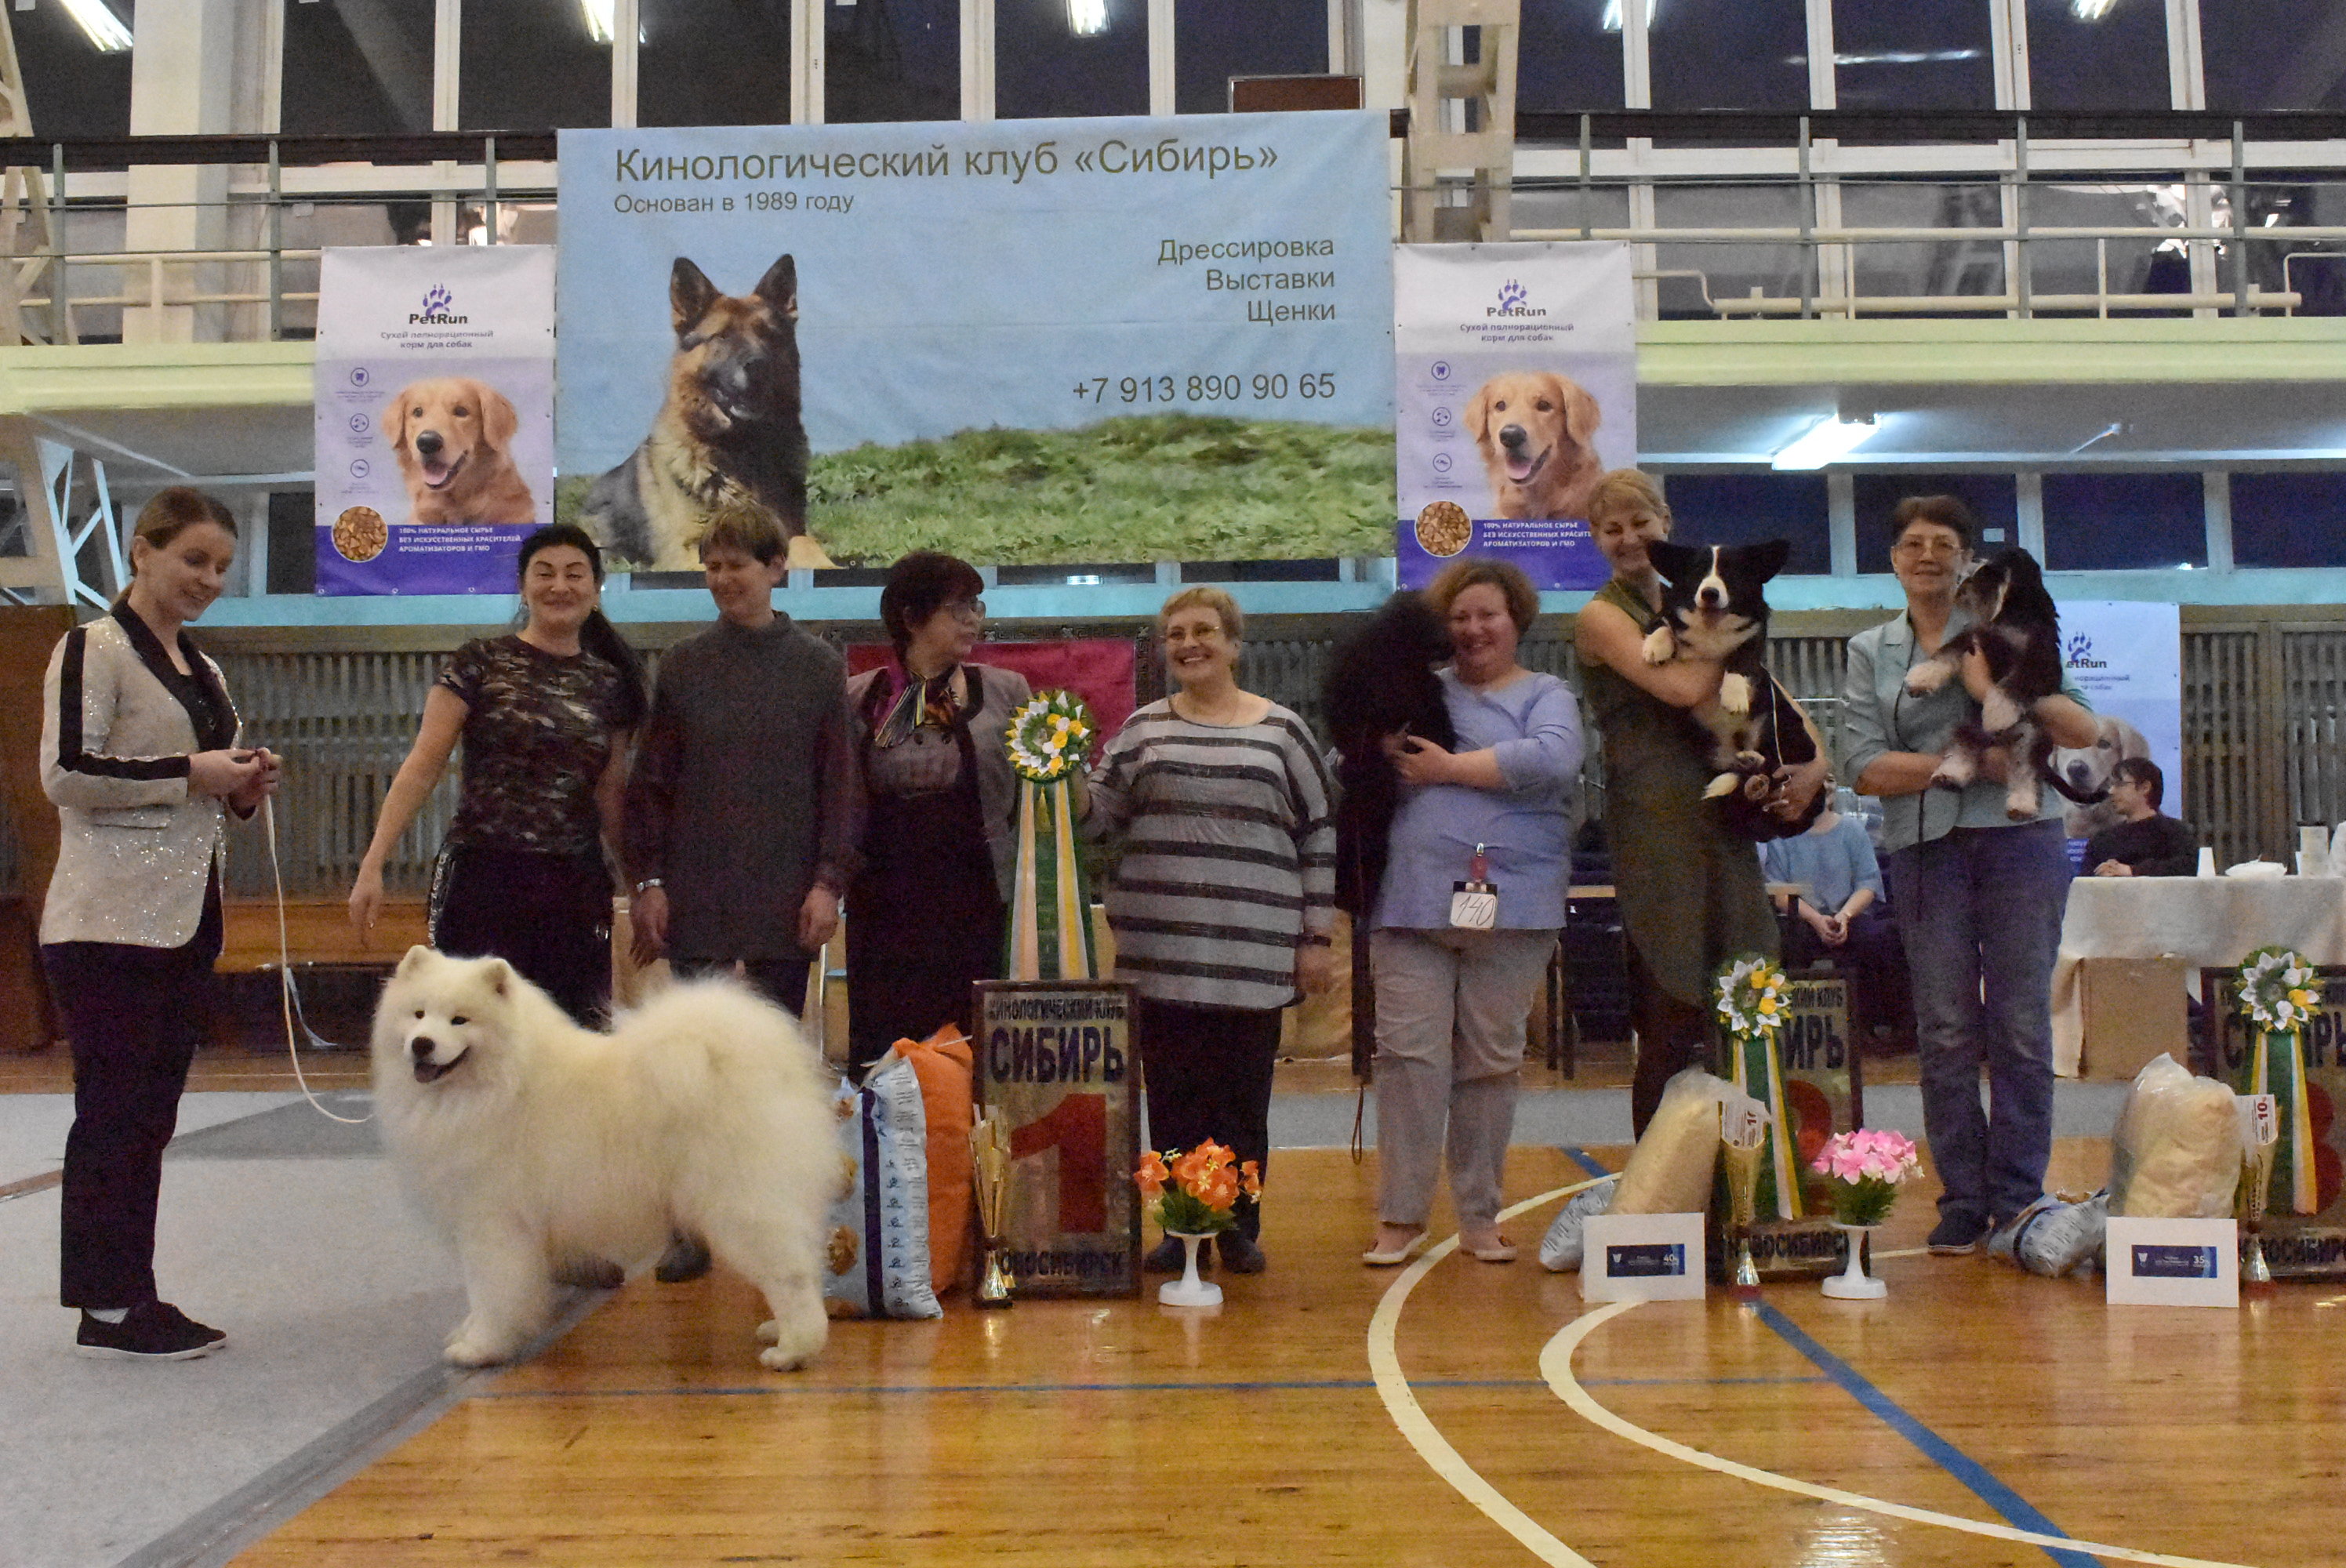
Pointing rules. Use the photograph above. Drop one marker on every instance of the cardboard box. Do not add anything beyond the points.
(2131, 1009)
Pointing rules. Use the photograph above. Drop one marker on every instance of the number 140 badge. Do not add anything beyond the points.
(1474, 902)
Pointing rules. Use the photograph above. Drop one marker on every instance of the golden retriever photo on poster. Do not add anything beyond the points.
(454, 437)
(1535, 431)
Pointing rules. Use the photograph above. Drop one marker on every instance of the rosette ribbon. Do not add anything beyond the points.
(1050, 934)
(2278, 993)
(1750, 1006)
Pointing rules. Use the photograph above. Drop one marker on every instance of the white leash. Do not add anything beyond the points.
(290, 998)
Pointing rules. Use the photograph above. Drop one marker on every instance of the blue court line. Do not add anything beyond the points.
(1298, 1385)
(2017, 1511)
(1585, 1161)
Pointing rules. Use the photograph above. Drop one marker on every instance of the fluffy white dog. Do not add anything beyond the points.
(536, 1144)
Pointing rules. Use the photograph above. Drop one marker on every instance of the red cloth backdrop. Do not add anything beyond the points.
(1098, 669)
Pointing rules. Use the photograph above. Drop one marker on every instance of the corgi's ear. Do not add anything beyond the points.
(413, 958)
(1769, 558)
(690, 294)
(779, 287)
(1677, 563)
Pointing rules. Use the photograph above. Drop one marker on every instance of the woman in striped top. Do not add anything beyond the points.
(1224, 897)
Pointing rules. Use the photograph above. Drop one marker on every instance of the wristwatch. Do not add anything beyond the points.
(647, 883)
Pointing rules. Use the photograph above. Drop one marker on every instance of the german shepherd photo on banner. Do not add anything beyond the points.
(729, 432)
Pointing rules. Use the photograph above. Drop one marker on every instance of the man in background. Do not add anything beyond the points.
(2144, 843)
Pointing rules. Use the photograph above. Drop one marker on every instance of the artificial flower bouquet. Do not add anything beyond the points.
(1193, 1193)
(1866, 1166)
(2278, 990)
(1051, 737)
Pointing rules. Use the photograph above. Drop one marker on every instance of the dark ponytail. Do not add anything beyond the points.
(598, 636)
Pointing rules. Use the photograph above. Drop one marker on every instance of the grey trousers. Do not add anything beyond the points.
(1452, 1006)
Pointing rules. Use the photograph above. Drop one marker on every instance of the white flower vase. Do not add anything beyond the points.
(1189, 1290)
(1854, 1283)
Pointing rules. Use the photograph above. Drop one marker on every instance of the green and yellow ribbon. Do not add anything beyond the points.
(1050, 935)
(2278, 994)
(1751, 994)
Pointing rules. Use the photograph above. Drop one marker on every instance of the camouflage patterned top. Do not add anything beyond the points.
(537, 741)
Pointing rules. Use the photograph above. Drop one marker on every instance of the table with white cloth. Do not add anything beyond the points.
(2206, 922)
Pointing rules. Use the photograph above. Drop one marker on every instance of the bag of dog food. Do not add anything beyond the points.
(1560, 1248)
(2052, 1237)
(876, 1241)
(941, 1063)
(2176, 1151)
(1671, 1170)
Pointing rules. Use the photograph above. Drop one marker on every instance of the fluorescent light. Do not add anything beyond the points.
(1823, 443)
(600, 23)
(1611, 20)
(99, 25)
(2091, 10)
(1087, 18)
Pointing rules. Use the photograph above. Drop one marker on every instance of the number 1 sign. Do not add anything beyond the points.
(1055, 1059)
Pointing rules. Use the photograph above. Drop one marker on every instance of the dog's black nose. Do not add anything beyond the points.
(428, 443)
(1512, 437)
(422, 1047)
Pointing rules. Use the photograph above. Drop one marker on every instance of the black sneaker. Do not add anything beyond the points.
(1166, 1256)
(687, 1257)
(1241, 1255)
(153, 1331)
(1957, 1235)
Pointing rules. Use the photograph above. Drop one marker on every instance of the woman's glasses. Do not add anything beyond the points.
(966, 610)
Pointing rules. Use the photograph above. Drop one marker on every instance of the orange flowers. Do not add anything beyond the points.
(1206, 1183)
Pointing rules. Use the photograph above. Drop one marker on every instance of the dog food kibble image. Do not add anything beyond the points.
(359, 533)
(1443, 528)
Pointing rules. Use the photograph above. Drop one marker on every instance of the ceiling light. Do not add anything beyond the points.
(99, 25)
(601, 24)
(2092, 10)
(1087, 18)
(1611, 20)
(1825, 442)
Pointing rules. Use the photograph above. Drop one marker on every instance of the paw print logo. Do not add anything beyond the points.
(1512, 295)
(2081, 648)
(437, 300)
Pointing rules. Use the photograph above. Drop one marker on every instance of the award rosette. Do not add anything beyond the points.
(2278, 994)
(1750, 992)
(1050, 935)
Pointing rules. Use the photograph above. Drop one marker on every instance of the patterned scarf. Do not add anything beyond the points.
(920, 703)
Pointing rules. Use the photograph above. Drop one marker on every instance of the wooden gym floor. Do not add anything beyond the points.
(1452, 1412)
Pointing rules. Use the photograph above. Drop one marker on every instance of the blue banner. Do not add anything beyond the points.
(1000, 309)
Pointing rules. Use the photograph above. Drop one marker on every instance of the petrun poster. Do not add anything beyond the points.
(433, 413)
(2127, 658)
(1515, 386)
(1023, 341)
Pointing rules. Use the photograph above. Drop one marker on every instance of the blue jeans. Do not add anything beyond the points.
(1980, 910)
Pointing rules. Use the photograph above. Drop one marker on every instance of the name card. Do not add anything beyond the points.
(1642, 1258)
(2173, 1262)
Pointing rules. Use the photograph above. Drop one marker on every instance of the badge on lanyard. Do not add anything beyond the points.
(1474, 902)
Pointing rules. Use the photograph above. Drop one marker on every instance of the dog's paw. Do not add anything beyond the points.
(1660, 646)
(1927, 677)
(2021, 805)
(776, 1358)
(1735, 693)
(473, 1350)
(1999, 712)
(1724, 784)
(1955, 771)
(769, 1332)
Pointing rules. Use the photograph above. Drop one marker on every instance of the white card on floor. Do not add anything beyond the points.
(2173, 1262)
(1642, 1258)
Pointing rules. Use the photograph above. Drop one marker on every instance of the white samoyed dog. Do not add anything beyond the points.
(535, 1144)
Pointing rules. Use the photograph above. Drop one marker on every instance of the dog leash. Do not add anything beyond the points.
(289, 997)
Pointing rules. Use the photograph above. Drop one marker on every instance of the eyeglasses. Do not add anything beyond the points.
(1913, 545)
(966, 610)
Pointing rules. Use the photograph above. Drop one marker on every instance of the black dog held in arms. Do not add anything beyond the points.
(2016, 626)
(1380, 684)
(1714, 607)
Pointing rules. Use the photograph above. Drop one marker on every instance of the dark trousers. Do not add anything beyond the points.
(780, 981)
(549, 916)
(133, 1016)
(1208, 1072)
(1672, 1035)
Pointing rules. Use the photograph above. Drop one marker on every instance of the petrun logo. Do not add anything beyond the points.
(434, 313)
(2081, 654)
(1511, 298)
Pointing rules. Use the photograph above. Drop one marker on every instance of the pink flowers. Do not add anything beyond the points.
(1869, 1164)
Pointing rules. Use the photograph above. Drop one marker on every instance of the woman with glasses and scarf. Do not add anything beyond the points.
(925, 914)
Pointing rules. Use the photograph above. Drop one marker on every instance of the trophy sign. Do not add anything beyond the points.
(1742, 1140)
(2259, 1135)
(989, 1165)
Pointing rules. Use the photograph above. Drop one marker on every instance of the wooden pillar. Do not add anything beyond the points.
(28, 634)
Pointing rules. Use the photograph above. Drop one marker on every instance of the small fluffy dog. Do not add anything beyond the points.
(1715, 605)
(537, 1145)
(1381, 682)
(2087, 769)
(2016, 626)
(1535, 429)
(454, 437)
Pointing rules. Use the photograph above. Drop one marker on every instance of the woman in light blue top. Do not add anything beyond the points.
(1455, 977)
(1978, 896)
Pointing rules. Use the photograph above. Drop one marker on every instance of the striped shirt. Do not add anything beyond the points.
(1228, 854)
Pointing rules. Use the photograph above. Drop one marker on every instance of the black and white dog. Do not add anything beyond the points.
(2016, 626)
(1714, 605)
(1380, 684)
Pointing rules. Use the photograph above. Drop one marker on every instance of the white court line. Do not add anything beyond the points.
(1418, 1430)
(1555, 1365)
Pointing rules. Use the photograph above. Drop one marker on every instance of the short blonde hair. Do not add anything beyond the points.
(1627, 488)
(1202, 595)
(1471, 570)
